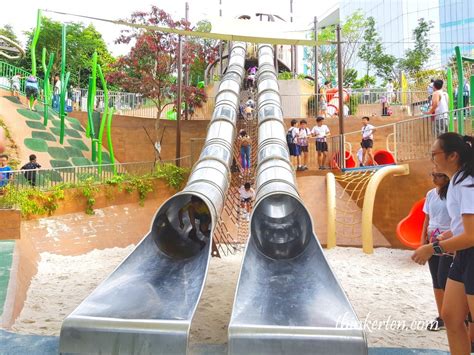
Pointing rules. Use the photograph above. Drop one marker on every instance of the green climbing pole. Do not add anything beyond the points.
(46, 84)
(450, 100)
(64, 82)
(105, 121)
(90, 131)
(104, 116)
(34, 41)
(33, 46)
(460, 69)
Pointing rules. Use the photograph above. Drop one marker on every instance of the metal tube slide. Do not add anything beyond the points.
(288, 300)
(146, 305)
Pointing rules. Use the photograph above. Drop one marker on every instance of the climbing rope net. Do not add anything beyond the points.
(350, 191)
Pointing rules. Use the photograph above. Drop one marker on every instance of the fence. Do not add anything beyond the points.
(46, 179)
(7, 71)
(361, 103)
(407, 140)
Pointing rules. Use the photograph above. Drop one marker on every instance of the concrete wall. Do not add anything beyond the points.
(131, 143)
(294, 97)
(11, 224)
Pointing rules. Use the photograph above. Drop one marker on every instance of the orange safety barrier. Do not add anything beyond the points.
(409, 228)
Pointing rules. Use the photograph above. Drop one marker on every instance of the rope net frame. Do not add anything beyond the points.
(350, 192)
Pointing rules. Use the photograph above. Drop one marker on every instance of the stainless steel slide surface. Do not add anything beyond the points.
(146, 305)
(288, 300)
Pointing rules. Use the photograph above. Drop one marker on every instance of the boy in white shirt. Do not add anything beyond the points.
(321, 132)
(367, 142)
(247, 195)
(302, 137)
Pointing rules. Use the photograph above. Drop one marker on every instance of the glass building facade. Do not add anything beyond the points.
(456, 27)
(395, 21)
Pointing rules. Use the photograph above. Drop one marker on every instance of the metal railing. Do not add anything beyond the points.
(375, 102)
(7, 71)
(46, 179)
(406, 140)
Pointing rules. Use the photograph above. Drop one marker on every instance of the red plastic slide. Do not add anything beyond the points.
(384, 157)
(409, 228)
(350, 161)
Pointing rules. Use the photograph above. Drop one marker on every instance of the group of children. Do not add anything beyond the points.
(247, 109)
(31, 89)
(297, 139)
(6, 172)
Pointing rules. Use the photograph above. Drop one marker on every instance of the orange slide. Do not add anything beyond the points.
(409, 228)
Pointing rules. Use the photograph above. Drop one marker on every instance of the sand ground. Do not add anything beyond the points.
(386, 289)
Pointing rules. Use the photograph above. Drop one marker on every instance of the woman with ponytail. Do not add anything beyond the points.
(453, 155)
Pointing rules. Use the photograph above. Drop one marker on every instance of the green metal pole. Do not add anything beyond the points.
(46, 83)
(109, 139)
(33, 48)
(450, 100)
(471, 99)
(64, 83)
(33, 43)
(104, 116)
(90, 131)
(460, 90)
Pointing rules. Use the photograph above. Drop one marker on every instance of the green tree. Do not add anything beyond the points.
(81, 43)
(416, 58)
(387, 67)
(350, 76)
(208, 49)
(8, 32)
(371, 49)
(352, 30)
(362, 82)
(151, 65)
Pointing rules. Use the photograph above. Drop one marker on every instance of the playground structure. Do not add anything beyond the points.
(409, 229)
(129, 323)
(158, 317)
(283, 254)
(104, 122)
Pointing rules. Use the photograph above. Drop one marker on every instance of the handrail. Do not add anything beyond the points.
(331, 210)
(369, 201)
(416, 118)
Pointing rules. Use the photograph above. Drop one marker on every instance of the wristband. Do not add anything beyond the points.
(438, 249)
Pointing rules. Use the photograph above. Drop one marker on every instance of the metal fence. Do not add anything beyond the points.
(376, 102)
(46, 179)
(406, 140)
(7, 71)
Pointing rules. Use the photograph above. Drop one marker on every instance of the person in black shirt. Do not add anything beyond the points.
(30, 174)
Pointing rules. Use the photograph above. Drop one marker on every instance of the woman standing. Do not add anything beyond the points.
(245, 146)
(436, 222)
(453, 155)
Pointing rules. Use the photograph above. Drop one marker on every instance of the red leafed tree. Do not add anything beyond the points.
(152, 64)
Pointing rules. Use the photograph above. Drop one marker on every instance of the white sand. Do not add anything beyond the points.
(60, 285)
(386, 286)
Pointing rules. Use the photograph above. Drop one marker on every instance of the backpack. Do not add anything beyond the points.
(289, 136)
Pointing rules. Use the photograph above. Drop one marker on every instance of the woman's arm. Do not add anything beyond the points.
(458, 242)
(445, 235)
(424, 231)
(464, 240)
